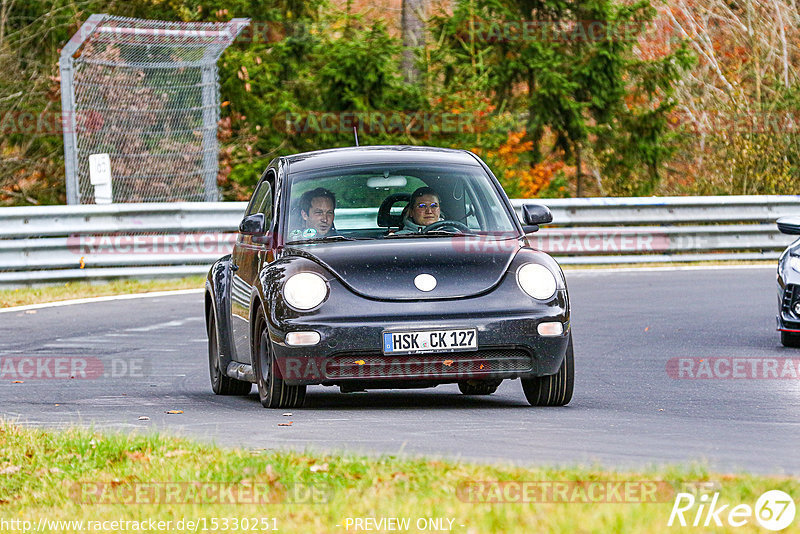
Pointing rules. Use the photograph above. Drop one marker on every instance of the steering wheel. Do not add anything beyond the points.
(447, 224)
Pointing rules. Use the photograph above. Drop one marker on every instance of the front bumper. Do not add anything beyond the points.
(350, 346)
(788, 296)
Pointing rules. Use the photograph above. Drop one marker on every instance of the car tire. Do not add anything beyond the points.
(790, 339)
(273, 392)
(221, 384)
(552, 390)
(478, 387)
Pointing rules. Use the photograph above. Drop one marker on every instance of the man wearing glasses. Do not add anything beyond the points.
(423, 210)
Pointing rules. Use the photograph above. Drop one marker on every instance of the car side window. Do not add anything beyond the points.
(261, 202)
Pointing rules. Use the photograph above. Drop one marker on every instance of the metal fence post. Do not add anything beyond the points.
(210, 119)
(68, 128)
(69, 123)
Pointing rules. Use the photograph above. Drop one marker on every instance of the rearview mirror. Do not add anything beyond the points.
(789, 225)
(536, 214)
(377, 182)
(254, 225)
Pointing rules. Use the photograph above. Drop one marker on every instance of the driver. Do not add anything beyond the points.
(423, 210)
(317, 208)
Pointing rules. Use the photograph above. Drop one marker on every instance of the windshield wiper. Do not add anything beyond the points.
(435, 233)
(327, 238)
(444, 232)
(334, 238)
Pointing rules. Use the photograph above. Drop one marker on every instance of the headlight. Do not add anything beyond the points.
(304, 291)
(794, 262)
(537, 281)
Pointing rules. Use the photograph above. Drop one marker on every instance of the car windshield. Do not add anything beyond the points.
(374, 202)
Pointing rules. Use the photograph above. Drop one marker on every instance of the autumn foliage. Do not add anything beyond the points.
(695, 97)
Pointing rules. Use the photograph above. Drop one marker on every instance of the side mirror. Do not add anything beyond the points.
(789, 225)
(254, 225)
(535, 214)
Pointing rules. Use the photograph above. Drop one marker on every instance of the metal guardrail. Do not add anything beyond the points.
(63, 243)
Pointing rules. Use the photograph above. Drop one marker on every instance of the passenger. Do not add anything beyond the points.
(422, 210)
(317, 208)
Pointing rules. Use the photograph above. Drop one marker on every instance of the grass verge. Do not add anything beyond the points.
(77, 475)
(78, 290)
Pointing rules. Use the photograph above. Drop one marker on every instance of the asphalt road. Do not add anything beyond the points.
(148, 356)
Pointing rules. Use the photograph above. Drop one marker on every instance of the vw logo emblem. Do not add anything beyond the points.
(425, 282)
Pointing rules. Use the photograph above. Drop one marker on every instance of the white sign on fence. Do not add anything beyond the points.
(100, 177)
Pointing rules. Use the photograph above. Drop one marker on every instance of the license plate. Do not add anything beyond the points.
(430, 341)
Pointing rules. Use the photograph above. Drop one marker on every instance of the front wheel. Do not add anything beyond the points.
(221, 384)
(790, 339)
(552, 390)
(273, 392)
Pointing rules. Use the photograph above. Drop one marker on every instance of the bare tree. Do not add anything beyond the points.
(413, 22)
(737, 97)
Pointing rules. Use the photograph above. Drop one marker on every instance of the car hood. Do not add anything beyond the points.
(386, 269)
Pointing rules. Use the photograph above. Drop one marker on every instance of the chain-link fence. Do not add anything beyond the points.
(146, 93)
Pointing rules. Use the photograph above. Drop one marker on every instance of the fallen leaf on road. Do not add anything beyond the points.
(174, 411)
(285, 424)
(360, 362)
(18, 382)
(448, 363)
(83, 263)
(647, 328)
(30, 312)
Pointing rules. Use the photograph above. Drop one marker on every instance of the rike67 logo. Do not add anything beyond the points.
(774, 510)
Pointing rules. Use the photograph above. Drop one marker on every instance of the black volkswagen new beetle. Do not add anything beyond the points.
(789, 285)
(386, 267)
